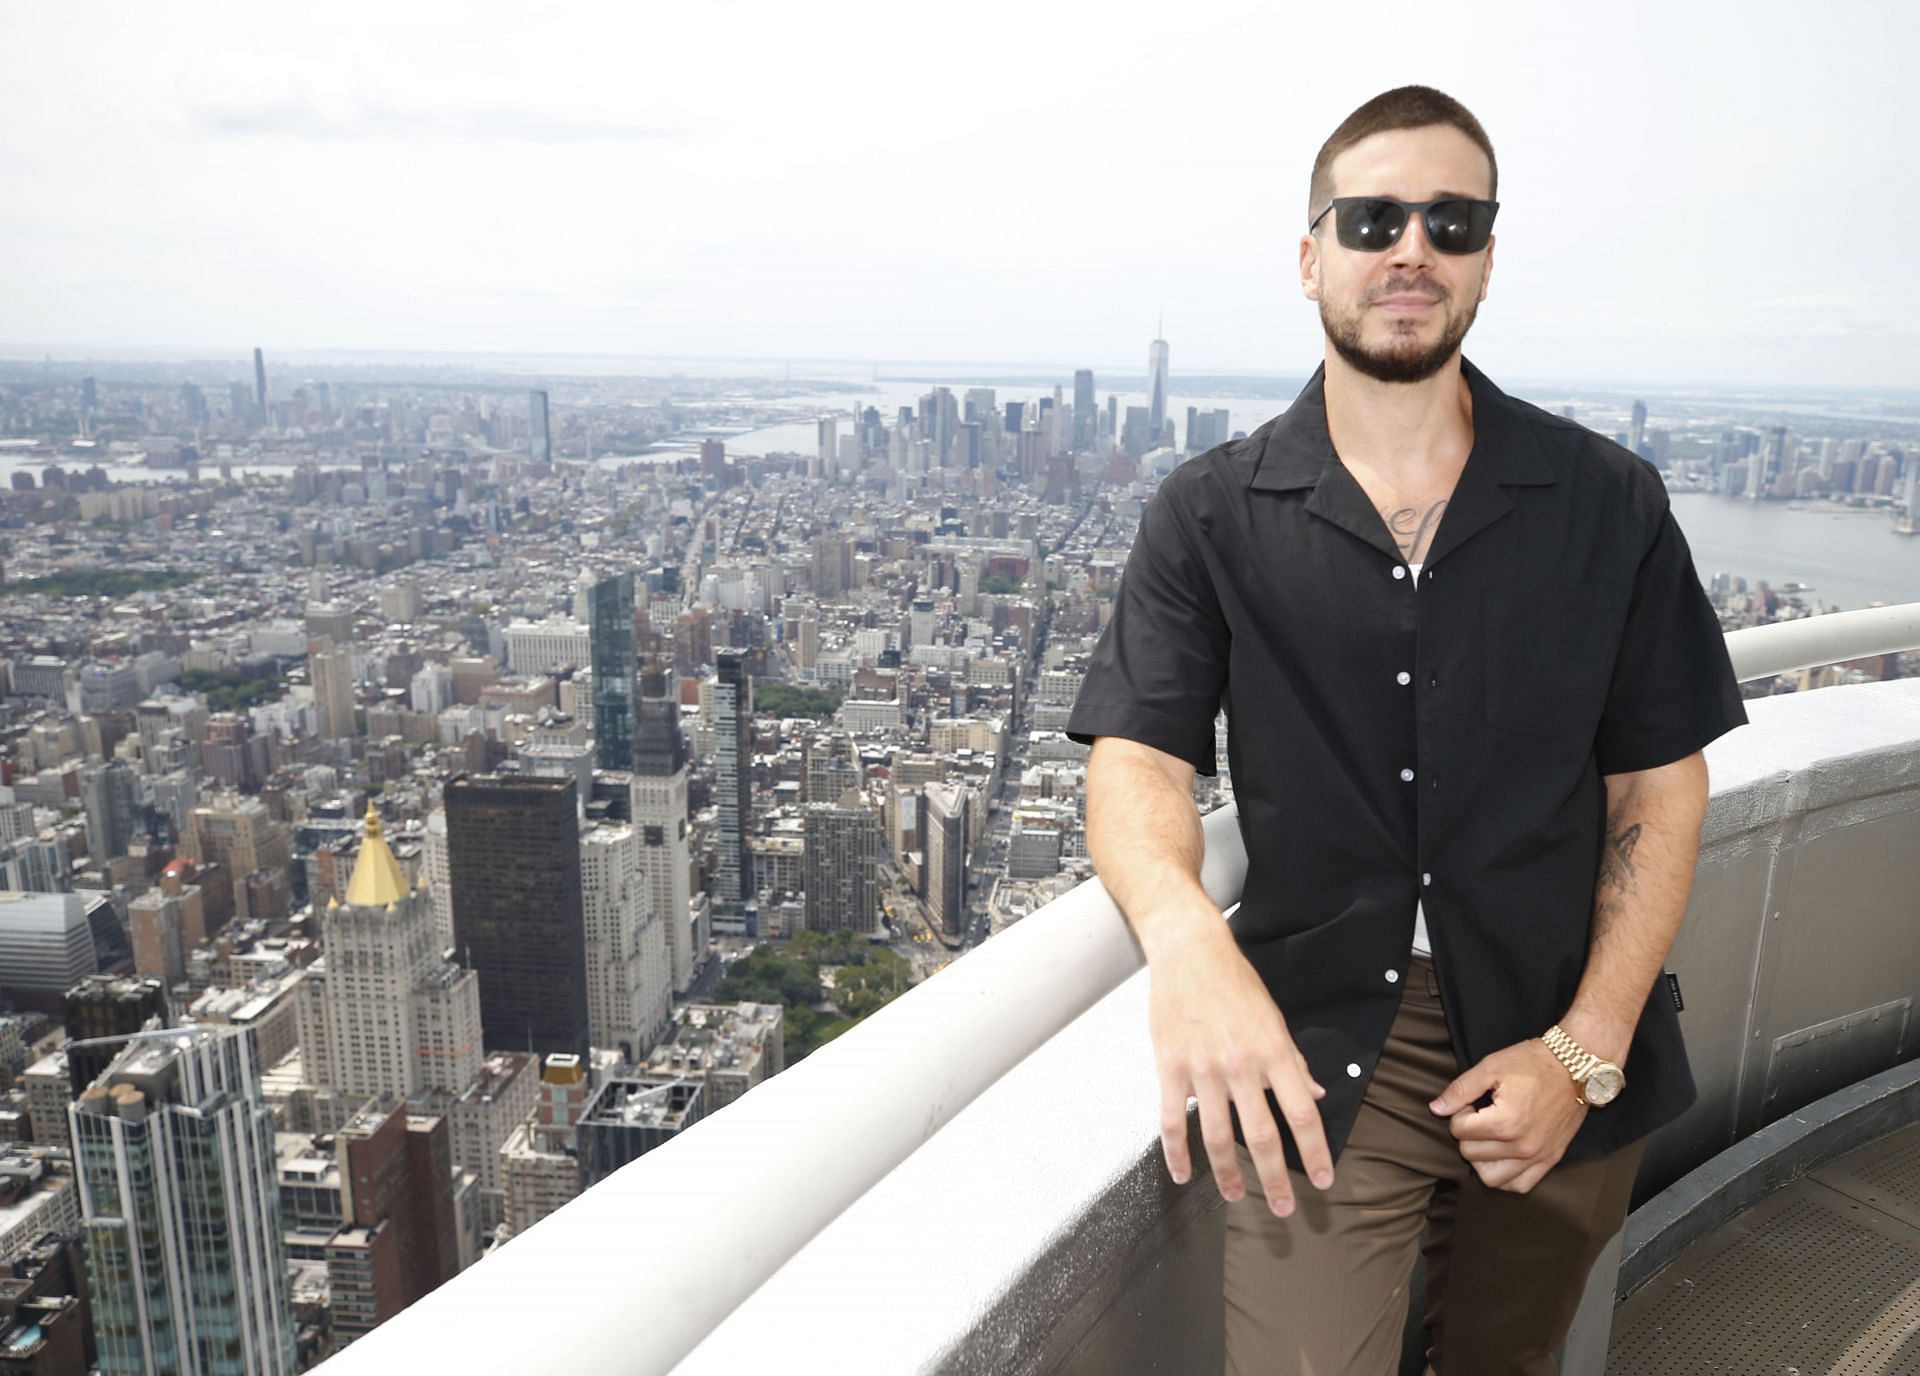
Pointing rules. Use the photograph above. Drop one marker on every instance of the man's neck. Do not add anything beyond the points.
(1408, 429)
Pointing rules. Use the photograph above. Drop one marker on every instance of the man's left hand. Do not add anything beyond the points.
(1535, 1112)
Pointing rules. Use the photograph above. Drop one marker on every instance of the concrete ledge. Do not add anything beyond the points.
(1751, 1169)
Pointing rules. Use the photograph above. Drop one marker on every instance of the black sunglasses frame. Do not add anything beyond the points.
(1426, 211)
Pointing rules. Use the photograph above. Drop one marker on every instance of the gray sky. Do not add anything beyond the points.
(1024, 182)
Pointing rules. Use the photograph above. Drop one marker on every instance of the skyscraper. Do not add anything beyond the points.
(251, 851)
(513, 851)
(173, 1146)
(660, 816)
(1085, 412)
(332, 674)
(829, 444)
(733, 782)
(831, 565)
(945, 840)
(610, 643)
(1156, 390)
(110, 793)
(1637, 428)
(843, 842)
(260, 385)
(399, 1239)
(383, 1011)
(539, 431)
(107, 1006)
(629, 991)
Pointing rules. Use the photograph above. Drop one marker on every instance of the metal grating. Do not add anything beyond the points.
(1885, 1176)
(1808, 1283)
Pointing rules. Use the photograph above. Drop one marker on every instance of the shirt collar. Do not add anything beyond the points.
(1505, 448)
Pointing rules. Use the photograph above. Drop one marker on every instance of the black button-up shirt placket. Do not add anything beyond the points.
(1302, 456)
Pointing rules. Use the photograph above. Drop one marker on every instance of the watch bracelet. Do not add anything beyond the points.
(1573, 1057)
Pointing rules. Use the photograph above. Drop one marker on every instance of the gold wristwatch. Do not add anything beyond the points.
(1596, 1083)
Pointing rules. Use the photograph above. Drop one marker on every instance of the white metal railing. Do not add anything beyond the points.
(695, 1226)
(1778, 648)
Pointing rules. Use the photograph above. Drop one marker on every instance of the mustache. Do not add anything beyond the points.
(1410, 286)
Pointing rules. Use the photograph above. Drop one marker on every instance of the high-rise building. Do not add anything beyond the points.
(610, 637)
(629, 989)
(399, 1239)
(166, 923)
(713, 460)
(252, 853)
(733, 779)
(1206, 429)
(401, 601)
(332, 673)
(539, 429)
(49, 1088)
(843, 842)
(110, 793)
(1156, 390)
(46, 946)
(539, 1161)
(231, 754)
(260, 386)
(630, 1116)
(513, 852)
(383, 1011)
(109, 1006)
(945, 839)
(1637, 427)
(173, 1146)
(1085, 413)
(439, 877)
(659, 811)
(831, 565)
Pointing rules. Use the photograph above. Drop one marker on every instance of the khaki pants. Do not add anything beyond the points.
(1324, 1293)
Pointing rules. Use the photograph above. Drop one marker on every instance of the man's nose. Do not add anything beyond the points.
(1412, 248)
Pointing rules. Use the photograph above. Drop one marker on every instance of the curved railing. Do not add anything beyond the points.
(650, 1262)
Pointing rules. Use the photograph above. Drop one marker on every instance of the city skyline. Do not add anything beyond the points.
(772, 247)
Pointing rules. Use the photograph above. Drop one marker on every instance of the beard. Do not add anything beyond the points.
(1402, 358)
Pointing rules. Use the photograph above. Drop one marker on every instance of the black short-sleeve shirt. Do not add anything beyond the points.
(1442, 744)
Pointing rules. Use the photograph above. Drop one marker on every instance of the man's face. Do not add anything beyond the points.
(1411, 338)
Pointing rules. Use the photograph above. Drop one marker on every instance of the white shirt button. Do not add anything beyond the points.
(1407, 774)
(1353, 1069)
(1393, 977)
(1404, 676)
(1399, 571)
(1426, 879)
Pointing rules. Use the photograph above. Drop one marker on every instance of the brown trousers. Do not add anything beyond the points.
(1324, 1292)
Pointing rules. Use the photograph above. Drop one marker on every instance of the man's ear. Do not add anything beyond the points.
(1309, 267)
(1486, 269)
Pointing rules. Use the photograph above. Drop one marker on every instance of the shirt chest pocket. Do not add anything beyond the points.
(1549, 656)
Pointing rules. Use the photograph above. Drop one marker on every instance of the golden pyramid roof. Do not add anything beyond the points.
(377, 878)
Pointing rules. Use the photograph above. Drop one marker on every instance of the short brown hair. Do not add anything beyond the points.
(1404, 107)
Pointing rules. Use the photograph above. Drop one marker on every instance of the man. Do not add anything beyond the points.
(1468, 669)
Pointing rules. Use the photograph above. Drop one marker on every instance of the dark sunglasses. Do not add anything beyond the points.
(1370, 224)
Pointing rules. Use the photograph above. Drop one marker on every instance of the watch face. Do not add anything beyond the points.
(1604, 1084)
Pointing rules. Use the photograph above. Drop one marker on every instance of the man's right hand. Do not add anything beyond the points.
(1219, 1037)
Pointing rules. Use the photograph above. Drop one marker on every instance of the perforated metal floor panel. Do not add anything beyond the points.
(1820, 1279)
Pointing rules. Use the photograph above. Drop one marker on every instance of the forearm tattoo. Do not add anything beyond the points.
(1618, 876)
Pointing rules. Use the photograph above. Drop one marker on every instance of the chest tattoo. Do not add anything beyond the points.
(1412, 527)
